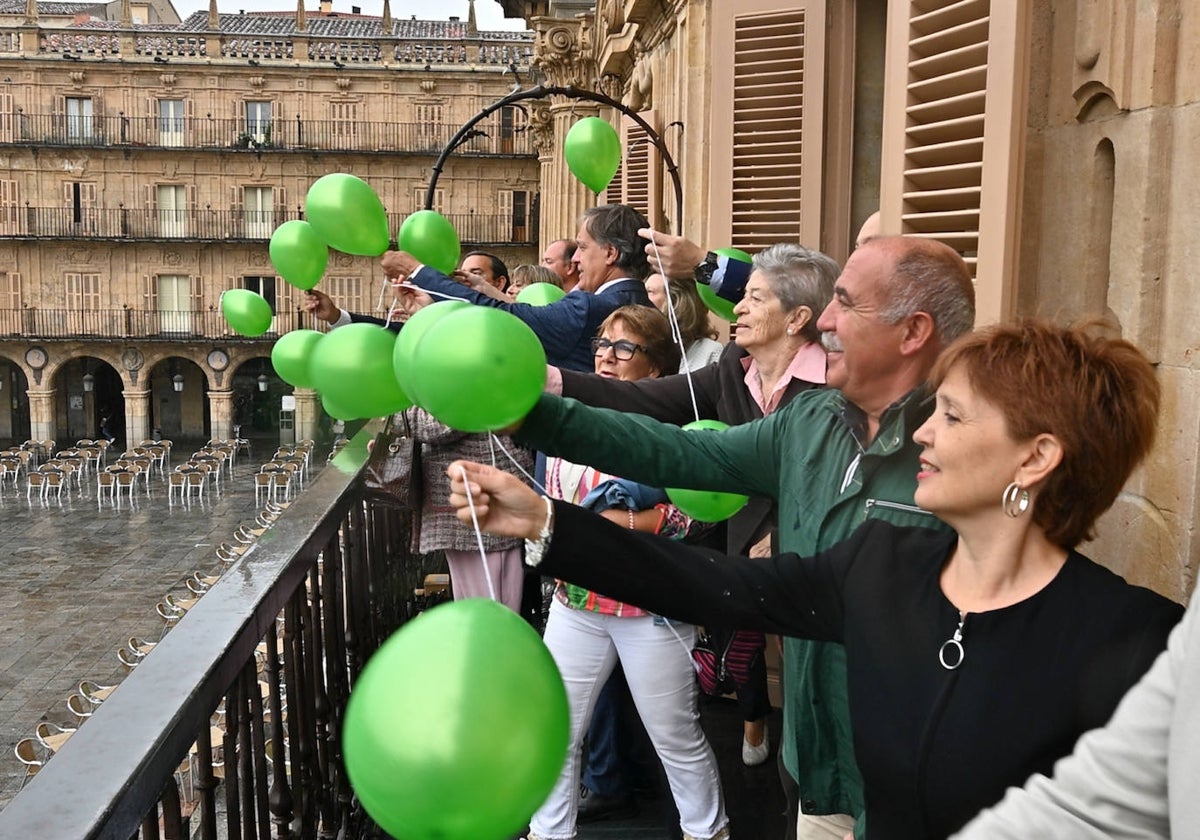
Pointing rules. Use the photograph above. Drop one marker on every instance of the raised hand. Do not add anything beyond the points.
(672, 256)
(503, 504)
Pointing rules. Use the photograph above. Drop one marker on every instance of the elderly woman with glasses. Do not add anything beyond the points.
(775, 354)
(588, 633)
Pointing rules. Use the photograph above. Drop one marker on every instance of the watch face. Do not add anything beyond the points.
(217, 360)
(36, 357)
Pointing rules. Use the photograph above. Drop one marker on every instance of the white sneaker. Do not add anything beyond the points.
(753, 756)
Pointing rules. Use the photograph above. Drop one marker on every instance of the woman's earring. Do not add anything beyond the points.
(1015, 501)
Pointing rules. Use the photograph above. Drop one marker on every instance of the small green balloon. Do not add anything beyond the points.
(292, 354)
(347, 214)
(457, 727)
(478, 369)
(412, 331)
(430, 238)
(593, 152)
(540, 294)
(298, 254)
(336, 411)
(247, 313)
(717, 304)
(707, 505)
(352, 368)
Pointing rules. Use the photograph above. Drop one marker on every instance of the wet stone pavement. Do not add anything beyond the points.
(79, 576)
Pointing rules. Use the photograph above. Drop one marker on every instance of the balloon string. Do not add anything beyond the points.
(383, 287)
(430, 292)
(675, 331)
(487, 573)
(533, 482)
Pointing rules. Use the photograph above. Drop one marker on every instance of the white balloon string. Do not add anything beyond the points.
(492, 448)
(532, 481)
(674, 321)
(430, 292)
(383, 287)
(487, 573)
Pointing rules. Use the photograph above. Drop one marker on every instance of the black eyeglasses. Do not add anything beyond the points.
(622, 349)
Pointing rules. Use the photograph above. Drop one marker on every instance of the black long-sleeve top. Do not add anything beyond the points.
(935, 746)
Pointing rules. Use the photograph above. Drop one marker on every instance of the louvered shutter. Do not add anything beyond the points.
(639, 172)
(953, 122)
(6, 118)
(279, 204)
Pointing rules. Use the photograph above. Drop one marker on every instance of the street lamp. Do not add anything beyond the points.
(177, 381)
(89, 383)
(262, 382)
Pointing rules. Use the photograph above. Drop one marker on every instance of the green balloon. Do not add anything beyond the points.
(336, 411)
(593, 152)
(347, 214)
(247, 312)
(430, 238)
(717, 304)
(352, 368)
(540, 294)
(707, 505)
(298, 254)
(457, 728)
(292, 354)
(478, 369)
(412, 331)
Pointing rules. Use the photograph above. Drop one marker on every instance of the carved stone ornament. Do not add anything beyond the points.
(564, 55)
(77, 76)
(342, 82)
(542, 126)
(132, 359)
(257, 81)
(611, 85)
(167, 80)
(641, 85)
(612, 16)
(428, 85)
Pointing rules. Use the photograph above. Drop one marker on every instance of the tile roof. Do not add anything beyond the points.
(339, 25)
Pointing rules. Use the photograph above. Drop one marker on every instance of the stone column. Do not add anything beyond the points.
(564, 52)
(42, 420)
(137, 415)
(308, 413)
(220, 414)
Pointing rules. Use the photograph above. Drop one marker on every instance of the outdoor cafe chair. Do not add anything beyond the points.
(80, 707)
(52, 736)
(32, 754)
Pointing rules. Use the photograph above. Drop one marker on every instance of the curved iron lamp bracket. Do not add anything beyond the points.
(573, 92)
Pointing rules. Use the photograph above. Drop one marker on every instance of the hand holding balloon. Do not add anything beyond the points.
(504, 505)
(320, 305)
(672, 256)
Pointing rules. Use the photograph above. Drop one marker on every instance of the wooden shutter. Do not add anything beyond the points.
(150, 292)
(10, 208)
(7, 135)
(953, 128)
(10, 290)
(776, 116)
(279, 205)
(640, 171)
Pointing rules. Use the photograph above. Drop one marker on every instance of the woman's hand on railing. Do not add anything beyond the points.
(503, 504)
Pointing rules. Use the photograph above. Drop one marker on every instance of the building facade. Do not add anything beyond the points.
(1046, 141)
(146, 161)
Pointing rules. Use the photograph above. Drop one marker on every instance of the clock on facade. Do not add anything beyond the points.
(218, 360)
(36, 357)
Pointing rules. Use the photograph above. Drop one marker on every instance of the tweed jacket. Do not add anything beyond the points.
(440, 446)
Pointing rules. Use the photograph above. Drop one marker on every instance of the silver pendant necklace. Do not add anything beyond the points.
(951, 653)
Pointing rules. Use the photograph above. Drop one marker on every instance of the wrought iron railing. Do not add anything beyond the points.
(279, 134)
(208, 225)
(318, 593)
(157, 325)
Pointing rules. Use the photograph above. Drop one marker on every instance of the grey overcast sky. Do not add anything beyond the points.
(488, 13)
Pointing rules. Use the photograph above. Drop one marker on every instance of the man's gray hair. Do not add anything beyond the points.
(799, 276)
(929, 277)
(617, 225)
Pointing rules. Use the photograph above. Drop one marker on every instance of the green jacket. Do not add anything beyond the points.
(808, 457)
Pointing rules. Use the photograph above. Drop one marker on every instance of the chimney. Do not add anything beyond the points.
(454, 18)
(326, 6)
(356, 10)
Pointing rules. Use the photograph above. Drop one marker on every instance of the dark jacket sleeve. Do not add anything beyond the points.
(394, 326)
(668, 398)
(781, 594)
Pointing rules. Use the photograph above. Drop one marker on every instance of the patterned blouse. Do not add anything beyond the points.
(571, 482)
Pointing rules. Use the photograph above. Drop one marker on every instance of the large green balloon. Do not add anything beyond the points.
(352, 368)
(706, 505)
(430, 238)
(292, 355)
(298, 254)
(347, 214)
(540, 294)
(478, 369)
(247, 312)
(716, 303)
(414, 328)
(457, 728)
(593, 152)
(336, 411)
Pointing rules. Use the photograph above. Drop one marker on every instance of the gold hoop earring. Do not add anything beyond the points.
(1015, 501)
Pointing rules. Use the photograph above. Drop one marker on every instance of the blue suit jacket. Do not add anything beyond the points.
(565, 327)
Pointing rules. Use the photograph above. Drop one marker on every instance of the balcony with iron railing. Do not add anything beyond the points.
(297, 134)
(309, 605)
(150, 325)
(209, 225)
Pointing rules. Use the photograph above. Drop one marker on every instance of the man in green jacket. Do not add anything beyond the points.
(831, 459)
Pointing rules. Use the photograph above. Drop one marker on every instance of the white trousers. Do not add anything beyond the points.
(824, 826)
(658, 668)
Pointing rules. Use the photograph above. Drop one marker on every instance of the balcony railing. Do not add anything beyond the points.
(136, 323)
(207, 225)
(276, 135)
(320, 595)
